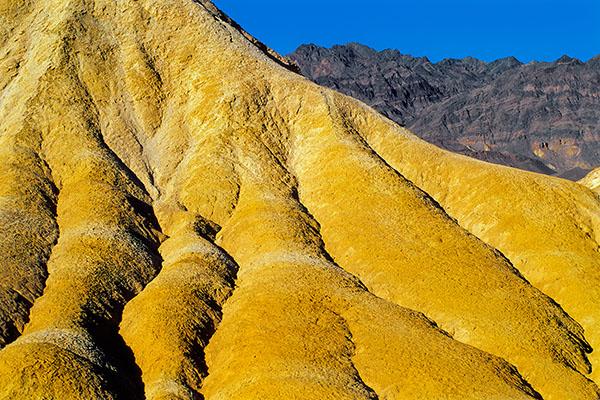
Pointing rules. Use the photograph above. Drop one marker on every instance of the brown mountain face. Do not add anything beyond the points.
(542, 117)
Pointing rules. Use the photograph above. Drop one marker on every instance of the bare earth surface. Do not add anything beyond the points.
(184, 216)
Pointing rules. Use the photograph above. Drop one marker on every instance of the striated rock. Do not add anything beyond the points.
(186, 217)
(592, 180)
(540, 117)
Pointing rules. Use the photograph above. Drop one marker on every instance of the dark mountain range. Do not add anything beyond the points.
(539, 116)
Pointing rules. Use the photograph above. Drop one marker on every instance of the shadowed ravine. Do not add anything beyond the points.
(230, 230)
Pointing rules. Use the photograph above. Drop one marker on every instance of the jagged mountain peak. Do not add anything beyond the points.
(511, 61)
(565, 59)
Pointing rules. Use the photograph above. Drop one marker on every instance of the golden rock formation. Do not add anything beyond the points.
(592, 180)
(186, 217)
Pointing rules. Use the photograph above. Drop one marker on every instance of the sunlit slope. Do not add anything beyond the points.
(415, 255)
(184, 216)
(592, 180)
(549, 228)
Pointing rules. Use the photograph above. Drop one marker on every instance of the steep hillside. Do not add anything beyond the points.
(541, 117)
(184, 216)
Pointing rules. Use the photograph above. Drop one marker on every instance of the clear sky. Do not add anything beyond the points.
(529, 30)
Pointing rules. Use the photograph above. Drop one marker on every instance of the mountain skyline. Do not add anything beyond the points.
(528, 30)
(594, 59)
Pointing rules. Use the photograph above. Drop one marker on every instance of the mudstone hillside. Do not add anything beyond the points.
(184, 216)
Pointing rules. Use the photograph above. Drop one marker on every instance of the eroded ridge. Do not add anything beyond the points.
(27, 191)
(105, 254)
(180, 309)
(27, 223)
(202, 193)
(469, 289)
(299, 327)
(548, 227)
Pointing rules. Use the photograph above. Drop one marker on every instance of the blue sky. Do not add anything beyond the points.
(485, 29)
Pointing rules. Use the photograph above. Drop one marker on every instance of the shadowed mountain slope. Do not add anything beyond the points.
(541, 117)
(186, 217)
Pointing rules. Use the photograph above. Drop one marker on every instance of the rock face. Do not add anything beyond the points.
(184, 216)
(541, 117)
(592, 180)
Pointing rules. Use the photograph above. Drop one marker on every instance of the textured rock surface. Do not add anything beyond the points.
(592, 180)
(541, 117)
(186, 217)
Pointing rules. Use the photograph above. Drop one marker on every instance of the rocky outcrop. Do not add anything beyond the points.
(184, 217)
(592, 180)
(540, 117)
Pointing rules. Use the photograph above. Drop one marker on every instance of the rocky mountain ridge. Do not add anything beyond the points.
(539, 116)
